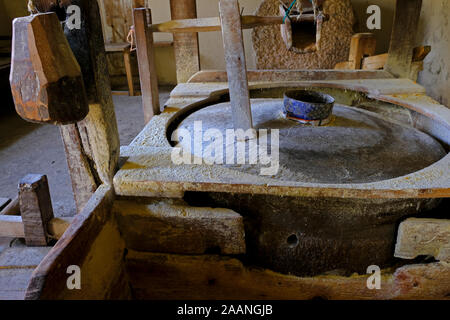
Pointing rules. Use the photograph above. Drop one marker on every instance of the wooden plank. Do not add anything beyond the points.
(362, 44)
(209, 277)
(291, 75)
(12, 209)
(179, 228)
(4, 202)
(146, 61)
(128, 71)
(233, 44)
(187, 53)
(11, 227)
(44, 72)
(420, 53)
(407, 14)
(36, 209)
(375, 62)
(91, 241)
(419, 237)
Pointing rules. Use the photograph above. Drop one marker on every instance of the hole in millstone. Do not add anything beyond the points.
(292, 241)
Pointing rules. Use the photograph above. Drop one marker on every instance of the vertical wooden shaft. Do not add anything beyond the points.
(187, 55)
(96, 138)
(235, 60)
(146, 62)
(128, 69)
(36, 209)
(406, 21)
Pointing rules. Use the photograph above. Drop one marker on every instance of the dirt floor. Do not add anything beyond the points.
(32, 148)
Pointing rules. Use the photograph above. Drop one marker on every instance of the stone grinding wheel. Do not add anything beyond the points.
(271, 52)
(310, 236)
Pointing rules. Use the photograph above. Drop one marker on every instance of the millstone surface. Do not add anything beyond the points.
(357, 147)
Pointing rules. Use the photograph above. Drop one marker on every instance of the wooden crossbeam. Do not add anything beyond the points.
(213, 23)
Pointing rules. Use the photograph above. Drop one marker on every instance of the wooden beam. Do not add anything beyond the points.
(421, 237)
(362, 44)
(407, 14)
(291, 75)
(96, 138)
(36, 209)
(4, 202)
(212, 24)
(13, 227)
(146, 62)
(12, 209)
(187, 53)
(224, 278)
(233, 44)
(375, 62)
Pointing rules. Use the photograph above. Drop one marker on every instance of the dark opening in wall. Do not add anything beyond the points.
(304, 35)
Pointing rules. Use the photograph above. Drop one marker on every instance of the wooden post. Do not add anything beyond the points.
(36, 209)
(187, 54)
(146, 62)
(406, 21)
(96, 138)
(236, 67)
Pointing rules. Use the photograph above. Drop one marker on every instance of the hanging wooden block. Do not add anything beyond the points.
(46, 79)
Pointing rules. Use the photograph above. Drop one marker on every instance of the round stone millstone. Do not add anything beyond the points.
(311, 236)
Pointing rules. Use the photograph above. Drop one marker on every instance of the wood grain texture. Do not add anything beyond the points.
(420, 237)
(164, 226)
(11, 227)
(291, 75)
(206, 277)
(187, 53)
(36, 209)
(91, 242)
(146, 62)
(45, 72)
(407, 14)
(233, 44)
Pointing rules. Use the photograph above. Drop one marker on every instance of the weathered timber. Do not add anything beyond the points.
(12, 209)
(215, 277)
(233, 44)
(291, 75)
(419, 237)
(92, 242)
(187, 53)
(362, 44)
(146, 62)
(13, 227)
(36, 209)
(178, 228)
(45, 73)
(96, 138)
(407, 14)
(212, 24)
(4, 202)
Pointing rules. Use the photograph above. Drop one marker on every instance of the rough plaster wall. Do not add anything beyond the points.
(271, 52)
(434, 30)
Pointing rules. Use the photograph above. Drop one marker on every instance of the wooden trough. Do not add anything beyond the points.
(137, 237)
